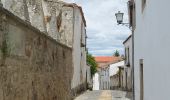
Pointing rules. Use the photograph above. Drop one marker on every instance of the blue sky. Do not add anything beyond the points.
(104, 35)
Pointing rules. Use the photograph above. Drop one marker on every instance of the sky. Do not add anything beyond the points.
(104, 35)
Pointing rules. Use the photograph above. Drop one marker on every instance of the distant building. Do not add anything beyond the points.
(114, 74)
(96, 82)
(121, 77)
(114, 81)
(103, 60)
(104, 70)
(104, 78)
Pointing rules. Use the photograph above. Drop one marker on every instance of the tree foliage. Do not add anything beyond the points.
(93, 65)
(116, 53)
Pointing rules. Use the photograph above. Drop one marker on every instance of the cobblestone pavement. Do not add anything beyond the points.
(103, 95)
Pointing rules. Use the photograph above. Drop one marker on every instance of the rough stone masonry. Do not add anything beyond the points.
(33, 66)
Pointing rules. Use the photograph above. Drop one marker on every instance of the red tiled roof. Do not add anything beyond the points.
(103, 61)
(107, 58)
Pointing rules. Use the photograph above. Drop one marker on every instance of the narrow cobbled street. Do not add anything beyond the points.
(104, 95)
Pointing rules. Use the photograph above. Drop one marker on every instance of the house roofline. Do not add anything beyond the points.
(79, 7)
(127, 39)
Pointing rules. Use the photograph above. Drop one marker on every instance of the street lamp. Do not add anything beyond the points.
(119, 18)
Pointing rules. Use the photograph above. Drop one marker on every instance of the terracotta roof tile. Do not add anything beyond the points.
(103, 61)
(107, 58)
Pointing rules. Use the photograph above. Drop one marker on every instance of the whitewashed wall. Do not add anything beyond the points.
(114, 67)
(128, 69)
(113, 71)
(96, 81)
(152, 38)
(79, 54)
(104, 78)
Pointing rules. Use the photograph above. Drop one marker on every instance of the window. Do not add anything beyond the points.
(141, 80)
(125, 56)
(128, 55)
(143, 4)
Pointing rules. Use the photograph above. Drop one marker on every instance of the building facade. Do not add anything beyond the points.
(73, 29)
(128, 64)
(34, 66)
(63, 22)
(114, 74)
(104, 78)
(151, 50)
(104, 70)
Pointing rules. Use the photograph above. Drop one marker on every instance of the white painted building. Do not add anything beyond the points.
(104, 78)
(151, 49)
(128, 64)
(114, 69)
(72, 32)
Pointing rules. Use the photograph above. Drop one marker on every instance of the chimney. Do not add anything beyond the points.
(36, 14)
(17, 7)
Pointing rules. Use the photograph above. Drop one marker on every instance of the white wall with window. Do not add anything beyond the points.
(127, 83)
(151, 43)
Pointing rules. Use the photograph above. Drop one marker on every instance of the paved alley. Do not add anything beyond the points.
(103, 95)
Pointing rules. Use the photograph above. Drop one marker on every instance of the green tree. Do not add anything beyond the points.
(93, 65)
(116, 53)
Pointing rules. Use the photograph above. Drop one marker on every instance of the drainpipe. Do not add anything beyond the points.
(133, 71)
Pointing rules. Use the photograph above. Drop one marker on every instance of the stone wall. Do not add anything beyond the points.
(114, 82)
(33, 66)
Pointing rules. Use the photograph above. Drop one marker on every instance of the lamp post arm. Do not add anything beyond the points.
(127, 25)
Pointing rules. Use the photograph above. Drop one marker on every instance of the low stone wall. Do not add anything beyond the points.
(114, 82)
(33, 66)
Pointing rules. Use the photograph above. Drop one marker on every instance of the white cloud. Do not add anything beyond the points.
(104, 35)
